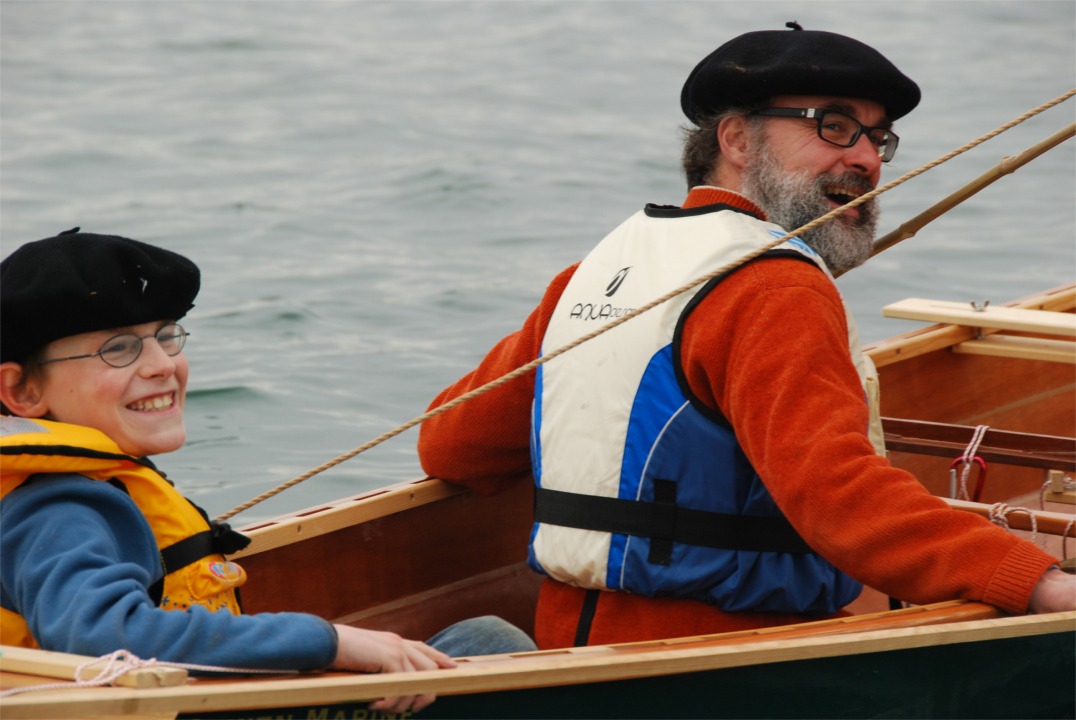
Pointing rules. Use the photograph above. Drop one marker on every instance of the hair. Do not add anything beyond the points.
(701, 148)
(32, 368)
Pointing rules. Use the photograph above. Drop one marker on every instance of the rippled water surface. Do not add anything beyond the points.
(377, 191)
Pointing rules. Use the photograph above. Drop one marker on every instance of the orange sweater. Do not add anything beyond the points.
(768, 347)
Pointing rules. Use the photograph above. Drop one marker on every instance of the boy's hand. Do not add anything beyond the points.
(373, 651)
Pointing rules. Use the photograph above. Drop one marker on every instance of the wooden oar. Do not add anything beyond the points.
(1005, 167)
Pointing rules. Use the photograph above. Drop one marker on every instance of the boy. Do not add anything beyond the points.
(99, 549)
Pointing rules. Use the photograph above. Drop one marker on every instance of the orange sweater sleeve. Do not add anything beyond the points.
(484, 443)
(769, 347)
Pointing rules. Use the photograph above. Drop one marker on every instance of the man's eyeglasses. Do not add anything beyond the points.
(122, 350)
(840, 129)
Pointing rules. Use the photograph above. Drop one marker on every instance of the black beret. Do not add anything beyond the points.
(81, 282)
(756, 66)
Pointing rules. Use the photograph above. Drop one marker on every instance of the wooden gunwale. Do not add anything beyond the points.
(328, 517)
(527, 670)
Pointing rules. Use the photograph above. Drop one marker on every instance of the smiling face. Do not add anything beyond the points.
(796, 177)
(139, 406)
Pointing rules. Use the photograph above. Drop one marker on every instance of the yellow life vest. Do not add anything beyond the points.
(195, 572)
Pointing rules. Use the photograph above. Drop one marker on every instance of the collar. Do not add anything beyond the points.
(701, 195)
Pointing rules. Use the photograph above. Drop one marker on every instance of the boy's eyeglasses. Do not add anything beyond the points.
(122, 350)
(840, 129)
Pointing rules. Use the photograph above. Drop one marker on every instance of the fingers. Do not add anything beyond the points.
(375, 651)
(424, 657)
(417, 656)
(412, 703)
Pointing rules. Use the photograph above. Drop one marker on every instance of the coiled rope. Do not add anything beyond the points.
(640, 310)
(999, 512)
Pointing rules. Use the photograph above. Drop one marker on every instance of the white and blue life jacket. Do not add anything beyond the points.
(640, 486)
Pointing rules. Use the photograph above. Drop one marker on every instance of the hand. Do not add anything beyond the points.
(1055, 592)
(374, 652)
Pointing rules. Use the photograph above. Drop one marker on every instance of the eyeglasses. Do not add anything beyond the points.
(840, 129)
(122, 350)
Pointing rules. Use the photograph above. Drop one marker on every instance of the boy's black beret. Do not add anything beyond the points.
(80, 282)
(756, 66)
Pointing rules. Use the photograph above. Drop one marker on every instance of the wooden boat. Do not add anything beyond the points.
(417, 556)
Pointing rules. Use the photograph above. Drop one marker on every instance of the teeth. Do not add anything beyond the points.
(843, 195)
(161, 402)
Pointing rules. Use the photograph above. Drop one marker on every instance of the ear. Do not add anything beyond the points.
(732, 139)
(22, 398)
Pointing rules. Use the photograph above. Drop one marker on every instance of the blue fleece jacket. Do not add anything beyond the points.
(77, 558)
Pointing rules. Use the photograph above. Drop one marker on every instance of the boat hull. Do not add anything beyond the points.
(419, 556)
(950, 681)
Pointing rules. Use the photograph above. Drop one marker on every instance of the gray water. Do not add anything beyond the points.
(378, 191)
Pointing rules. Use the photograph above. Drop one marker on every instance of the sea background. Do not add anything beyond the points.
(376, 192)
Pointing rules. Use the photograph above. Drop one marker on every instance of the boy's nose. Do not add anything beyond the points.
(154, 360)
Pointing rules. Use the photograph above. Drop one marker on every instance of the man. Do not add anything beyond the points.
(708, 465)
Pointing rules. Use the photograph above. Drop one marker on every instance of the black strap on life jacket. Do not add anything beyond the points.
(665, 523)
(220, 538)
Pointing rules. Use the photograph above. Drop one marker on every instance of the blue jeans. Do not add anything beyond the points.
(486, 635)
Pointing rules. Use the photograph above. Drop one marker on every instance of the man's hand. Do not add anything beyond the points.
(372, 651)
(1055, 592)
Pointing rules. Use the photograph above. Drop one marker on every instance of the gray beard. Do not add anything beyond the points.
(792, 200)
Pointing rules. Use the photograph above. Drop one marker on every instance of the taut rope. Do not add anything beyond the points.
(638, 311)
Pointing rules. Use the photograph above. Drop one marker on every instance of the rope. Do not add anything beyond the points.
(120, 662)
(639, 311)
(968, 456)
(999, 511)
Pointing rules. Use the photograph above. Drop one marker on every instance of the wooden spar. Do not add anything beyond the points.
(996, 317)
(937, 337)
(1005, 167)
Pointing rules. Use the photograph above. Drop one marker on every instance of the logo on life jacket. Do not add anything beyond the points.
(227, 571)
(616, 282)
